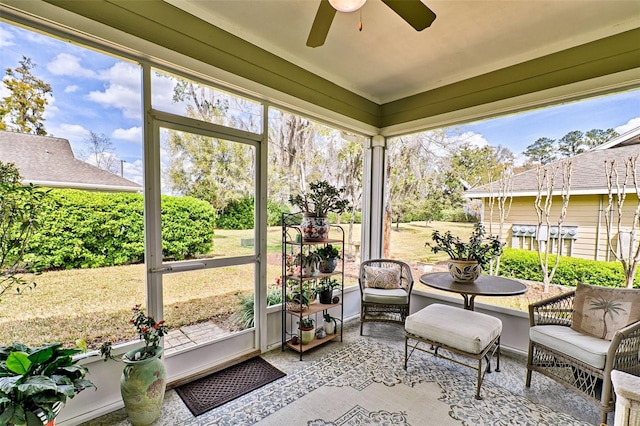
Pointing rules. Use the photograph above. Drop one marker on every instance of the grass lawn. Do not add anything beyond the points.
(94, 304)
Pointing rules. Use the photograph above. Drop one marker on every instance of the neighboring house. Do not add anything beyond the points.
(49, 162)
(584, 231)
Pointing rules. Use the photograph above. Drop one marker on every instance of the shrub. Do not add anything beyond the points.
(274, 213)
(237, 214)
(187, 227)
(524, 264)
(81, 229)
(458, 216)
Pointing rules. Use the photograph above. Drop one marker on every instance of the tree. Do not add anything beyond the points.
(211, 169)
(100, 151)
(541, 151)
(572, 144)
(546, 189)
(500, 198)
(19, 209)
(595, 137)
(628, 252)
(350, 158)
(23, 109)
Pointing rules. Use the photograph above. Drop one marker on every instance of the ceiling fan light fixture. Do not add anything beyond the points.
(347, 5)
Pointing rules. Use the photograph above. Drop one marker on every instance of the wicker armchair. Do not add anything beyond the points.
(621, 353)
(385, 305)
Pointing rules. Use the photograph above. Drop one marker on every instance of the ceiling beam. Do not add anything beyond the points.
(599, 58)
(167, 26)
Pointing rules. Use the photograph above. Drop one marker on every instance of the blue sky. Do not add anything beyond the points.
(100, 93)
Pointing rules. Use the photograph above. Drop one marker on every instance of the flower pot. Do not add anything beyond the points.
(142, 386)
(464, 271)
(328, 265)
(330, 326)
(326, 296)
(310, 271)
(307, 335)
(314, 228)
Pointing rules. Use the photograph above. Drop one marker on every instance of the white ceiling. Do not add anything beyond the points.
(389, 60)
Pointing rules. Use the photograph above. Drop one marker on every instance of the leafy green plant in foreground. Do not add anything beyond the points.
(36, 380)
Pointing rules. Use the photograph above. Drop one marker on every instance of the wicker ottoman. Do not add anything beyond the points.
(456, 330)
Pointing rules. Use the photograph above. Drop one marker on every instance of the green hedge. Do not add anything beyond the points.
(524, 264)
(238, 214)
(80, 229)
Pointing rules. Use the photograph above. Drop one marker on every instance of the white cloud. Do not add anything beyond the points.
(67, 64)
(122, 90)
(74, 133)
(71, 89)
(473, 139)
(134, 171)
(631, 124)
(134, 134)
(6, 38)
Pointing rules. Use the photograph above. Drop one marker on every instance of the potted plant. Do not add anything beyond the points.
(297, 301)
(325, 289)
(330, 324)
(329, 258)
(309, 264)
(315, 204)
(35, 382)
(307, 331)
(144, 379)
(467, 258)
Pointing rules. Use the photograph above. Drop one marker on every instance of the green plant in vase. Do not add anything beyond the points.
(467, 258)
(316, 203)
(325, 289)
(144, 379)
(330, 324)
(307, 330)
(329, 256)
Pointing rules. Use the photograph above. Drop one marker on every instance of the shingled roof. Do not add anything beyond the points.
(49, 162)
(588, 171)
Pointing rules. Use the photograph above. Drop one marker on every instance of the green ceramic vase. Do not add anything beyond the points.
(142, 385)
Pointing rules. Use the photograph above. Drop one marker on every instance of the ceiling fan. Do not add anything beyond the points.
(414, 12)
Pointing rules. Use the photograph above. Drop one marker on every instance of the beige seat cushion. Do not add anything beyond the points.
(396, 296)
(581, 346)
(458, 328)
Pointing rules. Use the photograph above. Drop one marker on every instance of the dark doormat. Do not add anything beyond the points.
(225, 385)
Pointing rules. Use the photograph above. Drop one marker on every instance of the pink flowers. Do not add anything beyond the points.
(148, 329)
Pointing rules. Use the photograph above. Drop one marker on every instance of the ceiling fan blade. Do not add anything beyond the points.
(414, 12)
(321, 24)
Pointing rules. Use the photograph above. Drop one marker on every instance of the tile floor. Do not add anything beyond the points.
(512, 376)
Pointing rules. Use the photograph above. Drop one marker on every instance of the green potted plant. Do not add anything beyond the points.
(307, 331)
(144, 379)
(329, 255)
(330, 324)
(467, 258)
(297, 301)
(316, 203)
(309, 264)
(35, 382)
(325, 289)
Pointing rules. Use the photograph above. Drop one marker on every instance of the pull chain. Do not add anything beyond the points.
(360, 24)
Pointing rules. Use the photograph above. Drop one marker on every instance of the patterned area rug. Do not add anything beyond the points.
(226, 385)
(364, 383)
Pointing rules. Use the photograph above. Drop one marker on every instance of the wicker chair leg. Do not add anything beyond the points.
(529, 360)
